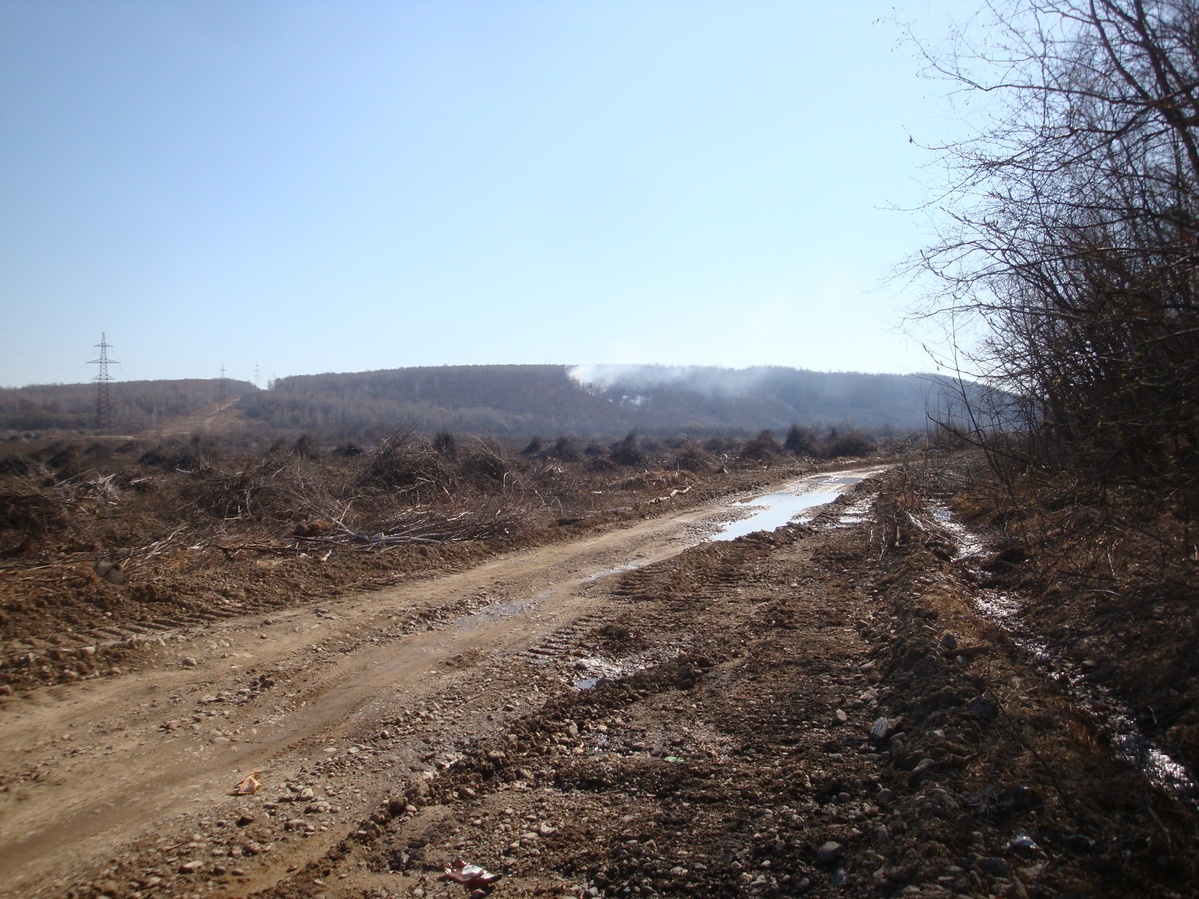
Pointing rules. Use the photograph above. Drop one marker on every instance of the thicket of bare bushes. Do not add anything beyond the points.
(1075, 249)
(120, 497)
(112, 531)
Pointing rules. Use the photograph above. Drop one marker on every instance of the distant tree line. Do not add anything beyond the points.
(509, 401)
(136, 405)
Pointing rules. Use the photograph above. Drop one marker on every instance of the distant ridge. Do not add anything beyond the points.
(523, 400)
(512, 401)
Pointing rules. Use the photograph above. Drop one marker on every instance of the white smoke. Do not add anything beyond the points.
(704, 379)
(607, 376)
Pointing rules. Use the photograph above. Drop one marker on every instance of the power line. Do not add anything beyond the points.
(9, 334)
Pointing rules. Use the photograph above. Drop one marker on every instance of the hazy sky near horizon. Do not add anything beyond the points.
(310, 186)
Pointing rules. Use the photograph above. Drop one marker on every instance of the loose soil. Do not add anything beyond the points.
(625, 711)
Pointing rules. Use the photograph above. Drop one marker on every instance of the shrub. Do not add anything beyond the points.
(761, 448)
(626, 451)
(847, 443)
(564, 449)
(446, 444)
(801, 441)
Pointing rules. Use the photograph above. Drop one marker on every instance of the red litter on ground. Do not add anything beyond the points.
(470, 875)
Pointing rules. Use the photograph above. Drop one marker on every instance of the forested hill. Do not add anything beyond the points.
(591, 400)
(506, 400)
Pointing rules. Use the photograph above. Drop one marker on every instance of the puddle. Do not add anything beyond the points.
(996, 604)
(1113, 717)
(799, 501)
(1127, 740)
(968, 544)
(773, 511)
(589, 673)
(494, 612)
(855, 512)
(620, 569)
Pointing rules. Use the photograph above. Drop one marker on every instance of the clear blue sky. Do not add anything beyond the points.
(345, 186)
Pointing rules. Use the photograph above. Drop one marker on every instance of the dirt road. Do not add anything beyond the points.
(93, 768)
(817, 711)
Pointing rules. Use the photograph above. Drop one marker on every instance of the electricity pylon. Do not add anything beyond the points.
(103, 379)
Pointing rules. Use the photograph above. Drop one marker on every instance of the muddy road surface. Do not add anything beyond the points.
(813, 711)
(92, 768)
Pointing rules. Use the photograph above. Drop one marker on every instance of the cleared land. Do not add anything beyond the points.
(820, 711)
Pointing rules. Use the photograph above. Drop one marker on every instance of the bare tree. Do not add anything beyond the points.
(1074, 243)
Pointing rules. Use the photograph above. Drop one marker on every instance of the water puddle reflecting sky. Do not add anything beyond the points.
(800, 501)
(773, 511)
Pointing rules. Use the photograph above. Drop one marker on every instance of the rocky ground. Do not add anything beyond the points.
(819, 711)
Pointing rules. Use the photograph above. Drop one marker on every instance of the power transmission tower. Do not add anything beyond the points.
(222, 397)
(103, 379)
(257, 372)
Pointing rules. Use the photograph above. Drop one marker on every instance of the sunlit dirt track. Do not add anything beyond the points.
(95, 768)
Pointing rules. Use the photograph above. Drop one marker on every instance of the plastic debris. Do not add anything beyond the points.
(470, 875)
(110, 571)
(248, 786)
